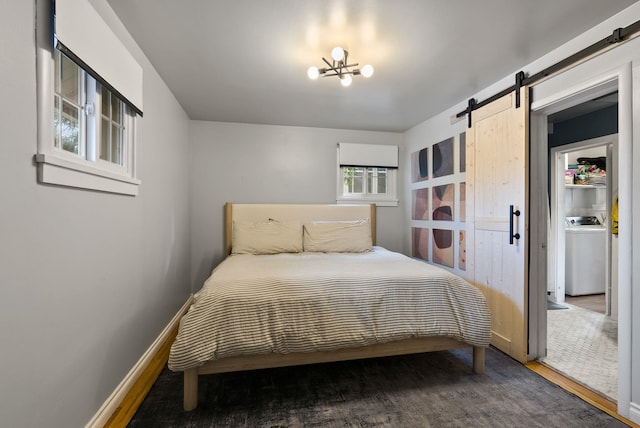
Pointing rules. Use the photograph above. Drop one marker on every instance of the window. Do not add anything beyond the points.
(367, 173)
(367, 184)
(86, 127)
(364, 181)
(85, 114)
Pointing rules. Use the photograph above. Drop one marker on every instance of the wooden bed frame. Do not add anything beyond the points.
(303, 213)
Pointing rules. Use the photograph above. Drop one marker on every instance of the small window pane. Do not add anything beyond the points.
(56, 121)
(105, 101)
(104, 140)
(116, 110)
(116, 144)
(69, 79)
(70, 126)
(56, 77)
(377, 180)
(353, 180)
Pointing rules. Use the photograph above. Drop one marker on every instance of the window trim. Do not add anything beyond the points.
(54, 166)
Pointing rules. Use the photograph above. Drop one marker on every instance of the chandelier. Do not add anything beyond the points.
(340, 67)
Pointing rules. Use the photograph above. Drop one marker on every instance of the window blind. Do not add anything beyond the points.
(83, 35)
(375, 155)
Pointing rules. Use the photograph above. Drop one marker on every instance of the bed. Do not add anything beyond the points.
(306, 284)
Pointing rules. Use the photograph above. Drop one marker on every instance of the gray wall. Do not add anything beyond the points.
(87, 280)
(245, 163)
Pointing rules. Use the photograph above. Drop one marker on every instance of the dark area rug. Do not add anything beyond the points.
(423, 390)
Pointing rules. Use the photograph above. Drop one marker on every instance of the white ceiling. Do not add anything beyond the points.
(246, 60)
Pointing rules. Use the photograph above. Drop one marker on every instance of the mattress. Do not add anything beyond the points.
(308, 302)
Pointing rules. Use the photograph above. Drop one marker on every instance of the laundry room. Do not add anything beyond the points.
(585, 213)
(583, 185)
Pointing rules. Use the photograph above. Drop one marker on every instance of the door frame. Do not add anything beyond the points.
(556, 245)
(619, 78)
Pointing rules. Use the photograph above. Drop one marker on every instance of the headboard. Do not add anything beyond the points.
(295, 212)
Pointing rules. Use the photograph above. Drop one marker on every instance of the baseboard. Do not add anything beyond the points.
(115, 400)
(634, 413)
(597, 400)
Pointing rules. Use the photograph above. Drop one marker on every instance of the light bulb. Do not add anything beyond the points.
(345, 80)
(337, 53)
(313, 73)
(367, 70)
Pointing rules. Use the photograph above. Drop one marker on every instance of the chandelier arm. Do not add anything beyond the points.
(336, 73)
(340, 67)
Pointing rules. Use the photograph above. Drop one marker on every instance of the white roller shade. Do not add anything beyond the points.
(368, 155)
(83, 32)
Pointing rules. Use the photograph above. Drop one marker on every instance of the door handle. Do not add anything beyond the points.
(512, 213)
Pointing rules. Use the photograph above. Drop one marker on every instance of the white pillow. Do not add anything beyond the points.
(271, 237)
(338, 236)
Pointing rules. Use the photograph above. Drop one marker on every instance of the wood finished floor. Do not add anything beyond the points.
(601, 402)
(592, 302)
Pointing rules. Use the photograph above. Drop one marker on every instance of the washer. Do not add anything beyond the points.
(584, 256)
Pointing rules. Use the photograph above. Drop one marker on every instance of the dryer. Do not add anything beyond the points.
(585, 268)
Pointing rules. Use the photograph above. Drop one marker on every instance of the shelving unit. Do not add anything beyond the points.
(585, 186)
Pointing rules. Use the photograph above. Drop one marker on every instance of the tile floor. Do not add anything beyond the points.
(583, 345)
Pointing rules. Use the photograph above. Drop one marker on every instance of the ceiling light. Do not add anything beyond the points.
(367, 70)
(340, 67)
(337, 53)
(313, 73)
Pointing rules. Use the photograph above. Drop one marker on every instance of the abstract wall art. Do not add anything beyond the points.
(419, 165)
(443, 247)
(420, 204)
(443, 158)
(463, 196)
(420, 246)
(438, 212)
(442, 202)
(463, 152)
(462, 252)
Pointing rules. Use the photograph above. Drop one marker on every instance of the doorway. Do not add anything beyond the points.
(582, 322)
(555, 160)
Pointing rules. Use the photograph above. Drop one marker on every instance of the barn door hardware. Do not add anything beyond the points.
(512, 214)
(470, 106)
(519, 83)
(618, 35)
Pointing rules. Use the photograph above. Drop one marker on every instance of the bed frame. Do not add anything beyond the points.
(305, 213)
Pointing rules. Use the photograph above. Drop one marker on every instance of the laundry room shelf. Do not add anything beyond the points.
(585, 186)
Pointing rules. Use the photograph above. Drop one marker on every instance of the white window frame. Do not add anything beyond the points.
(388, 199)
(59, 167)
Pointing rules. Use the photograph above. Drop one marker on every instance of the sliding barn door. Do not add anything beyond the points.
(497, 186)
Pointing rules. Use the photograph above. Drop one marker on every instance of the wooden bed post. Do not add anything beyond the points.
(190, 389)
(228, 222)
(478, 360)
(372, 220)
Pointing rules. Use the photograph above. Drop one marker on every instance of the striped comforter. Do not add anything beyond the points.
(306, 302)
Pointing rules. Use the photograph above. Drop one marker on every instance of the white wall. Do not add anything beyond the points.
(626, 55)
(87, 280)
(246, 163)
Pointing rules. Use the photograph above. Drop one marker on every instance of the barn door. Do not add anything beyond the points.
(497, 216)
